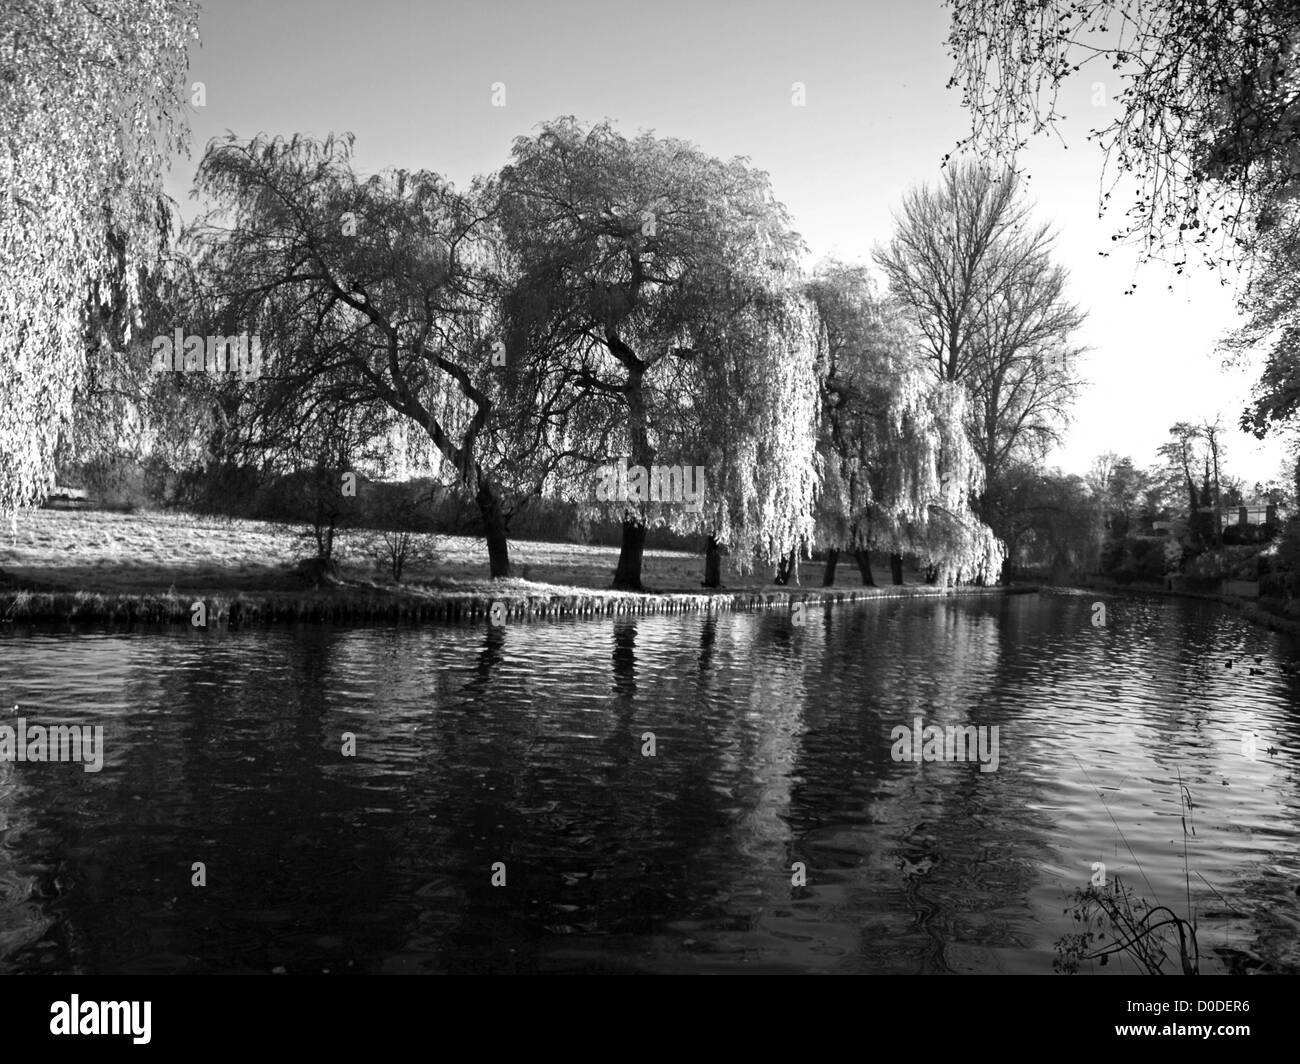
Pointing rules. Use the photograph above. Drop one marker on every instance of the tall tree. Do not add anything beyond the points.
(977, 280)
(1181, 455)
(374, 291)
(753, 418)
(1119, 491)
(662, 284)
(90, 101)
(1210, 432)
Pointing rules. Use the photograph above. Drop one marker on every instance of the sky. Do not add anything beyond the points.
(414, 81)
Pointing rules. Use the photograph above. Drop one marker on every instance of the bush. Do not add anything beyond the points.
(1246, 535)
(1112, 556)
(1282, 578)
(1176, 556)
(392, 550)
(220, 489)
(1148, 559)
(317, 571)
(1231, 563)
(404, 515)
(1135, 558)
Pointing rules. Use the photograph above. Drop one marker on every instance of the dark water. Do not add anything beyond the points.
(523, 745)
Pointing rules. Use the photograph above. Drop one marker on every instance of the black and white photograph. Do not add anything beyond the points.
(691, 488)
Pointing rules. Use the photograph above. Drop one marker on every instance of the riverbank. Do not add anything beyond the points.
(507, 603)
(96, 567)
(1266, 612)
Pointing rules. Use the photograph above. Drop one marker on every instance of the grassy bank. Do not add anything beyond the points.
(91, 566)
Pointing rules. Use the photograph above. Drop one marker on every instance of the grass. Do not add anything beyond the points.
(86, 564)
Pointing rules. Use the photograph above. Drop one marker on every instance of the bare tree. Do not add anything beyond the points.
(1021, 383)
(937, 263)
(975, 276)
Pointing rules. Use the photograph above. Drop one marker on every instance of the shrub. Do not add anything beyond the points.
(392, 550)
(1112, 555)
(1148, 559)
(1283, 568)
(1136, 558)
(1231, 563)
(404, 515)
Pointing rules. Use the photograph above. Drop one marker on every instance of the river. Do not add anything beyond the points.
(674, 793)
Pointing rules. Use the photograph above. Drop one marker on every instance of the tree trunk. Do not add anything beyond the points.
(712, 565)
(896, 567)
(627, 577)
(782, 572)
(1218, 496)
(863, 558)
(494, 529)
(832, 559)
(1006, 571)
(784, 569)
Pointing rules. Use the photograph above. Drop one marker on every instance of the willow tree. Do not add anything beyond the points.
(369, 291)
(90, 95)
(756, 418)
(656, 270)
(952, 538)
(127, 418)
(900, 469)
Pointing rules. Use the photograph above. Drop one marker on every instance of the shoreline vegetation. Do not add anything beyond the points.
(108, 567)
(1267, 612)
(88, 567)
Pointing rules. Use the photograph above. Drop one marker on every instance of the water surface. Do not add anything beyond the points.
(524, 745)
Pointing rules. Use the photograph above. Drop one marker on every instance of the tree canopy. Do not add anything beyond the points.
(90, 106)
(1205, 116)
(898, 468)
(662, 284)
(375, 292)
